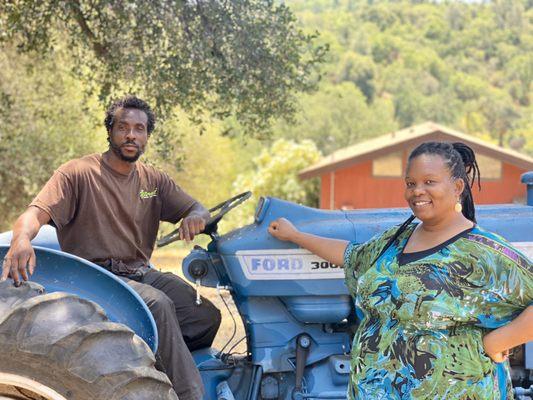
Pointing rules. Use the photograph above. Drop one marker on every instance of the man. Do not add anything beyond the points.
(106, 208)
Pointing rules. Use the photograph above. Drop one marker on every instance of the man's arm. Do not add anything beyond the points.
(20, 257)
(194, 222)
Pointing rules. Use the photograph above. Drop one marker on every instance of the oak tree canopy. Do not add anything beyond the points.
(245, 58)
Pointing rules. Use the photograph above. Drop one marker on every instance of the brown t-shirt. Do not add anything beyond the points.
(101, 214)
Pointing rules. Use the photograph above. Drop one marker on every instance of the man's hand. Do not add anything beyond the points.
(191, 226)
(19, 260)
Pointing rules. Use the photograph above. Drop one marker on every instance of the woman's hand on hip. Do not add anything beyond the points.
(494, 354)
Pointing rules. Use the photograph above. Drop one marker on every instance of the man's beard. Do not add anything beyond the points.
(117, 150)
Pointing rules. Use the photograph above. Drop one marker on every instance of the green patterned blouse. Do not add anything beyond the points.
(423, 315)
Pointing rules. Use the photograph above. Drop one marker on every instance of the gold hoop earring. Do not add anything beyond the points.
(458, 207)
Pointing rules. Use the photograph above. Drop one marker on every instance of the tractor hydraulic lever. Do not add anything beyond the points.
(303, 343)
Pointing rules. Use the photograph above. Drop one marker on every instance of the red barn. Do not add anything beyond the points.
(370, 174)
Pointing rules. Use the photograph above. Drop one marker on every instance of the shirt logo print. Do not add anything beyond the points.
(143, 194)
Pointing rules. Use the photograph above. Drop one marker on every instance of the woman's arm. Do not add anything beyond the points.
(517, 332)
(331, 250)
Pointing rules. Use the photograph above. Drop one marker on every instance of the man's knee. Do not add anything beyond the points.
(209, 315)
(216, 321)
(202, 333)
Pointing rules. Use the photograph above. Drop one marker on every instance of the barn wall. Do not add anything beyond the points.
(509, 189)
(355, 187)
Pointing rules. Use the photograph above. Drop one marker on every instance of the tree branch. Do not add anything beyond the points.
(99, 49)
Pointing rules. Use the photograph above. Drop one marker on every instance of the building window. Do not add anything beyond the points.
(489, 168)
(389, 165)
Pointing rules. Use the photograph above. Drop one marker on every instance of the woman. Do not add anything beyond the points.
(441, 301)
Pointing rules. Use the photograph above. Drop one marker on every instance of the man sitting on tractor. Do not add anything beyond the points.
(107, 208)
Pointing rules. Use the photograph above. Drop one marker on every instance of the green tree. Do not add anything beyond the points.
(338, 116)
(360, 70)
(245, 58)
(520, 73)
(45, 120)
(213, 161)
(500, 113)
(275, 173)
(468, 87)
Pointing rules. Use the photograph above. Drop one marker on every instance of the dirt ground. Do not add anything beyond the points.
(169, 259)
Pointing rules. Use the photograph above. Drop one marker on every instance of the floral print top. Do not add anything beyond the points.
(422, 316)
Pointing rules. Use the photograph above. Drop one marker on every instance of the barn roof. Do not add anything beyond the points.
(410, 137)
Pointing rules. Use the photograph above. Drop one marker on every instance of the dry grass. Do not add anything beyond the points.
(170, 259)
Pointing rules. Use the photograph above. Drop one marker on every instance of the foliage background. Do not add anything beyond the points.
(390, 64)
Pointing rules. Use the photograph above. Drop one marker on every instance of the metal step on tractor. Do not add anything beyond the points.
(78, 332)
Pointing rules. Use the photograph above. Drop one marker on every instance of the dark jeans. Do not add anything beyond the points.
(182, 325)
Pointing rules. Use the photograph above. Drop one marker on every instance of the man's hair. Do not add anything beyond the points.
(129, 102)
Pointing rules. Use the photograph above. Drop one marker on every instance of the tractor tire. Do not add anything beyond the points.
(58, 346)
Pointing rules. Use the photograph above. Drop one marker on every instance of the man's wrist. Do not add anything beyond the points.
(195, 214)
(21, 236)
(199, 212)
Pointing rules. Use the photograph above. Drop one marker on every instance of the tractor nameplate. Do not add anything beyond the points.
(288, 264)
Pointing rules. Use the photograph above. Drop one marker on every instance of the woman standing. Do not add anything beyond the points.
(440, 302)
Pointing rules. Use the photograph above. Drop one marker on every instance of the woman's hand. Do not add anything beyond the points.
(331, 250)
(499, 357)
(496, 356)
(497, 343)
(282, 229)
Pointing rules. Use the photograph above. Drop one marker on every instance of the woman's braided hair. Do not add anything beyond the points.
(461, 162)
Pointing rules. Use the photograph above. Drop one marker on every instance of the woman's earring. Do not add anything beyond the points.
(458, 207)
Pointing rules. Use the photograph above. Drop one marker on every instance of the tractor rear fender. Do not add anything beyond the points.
(57, 271)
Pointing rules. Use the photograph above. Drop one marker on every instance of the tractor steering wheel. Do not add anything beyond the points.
(212, 224)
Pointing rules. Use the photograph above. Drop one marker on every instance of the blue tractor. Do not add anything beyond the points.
(78, 329)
